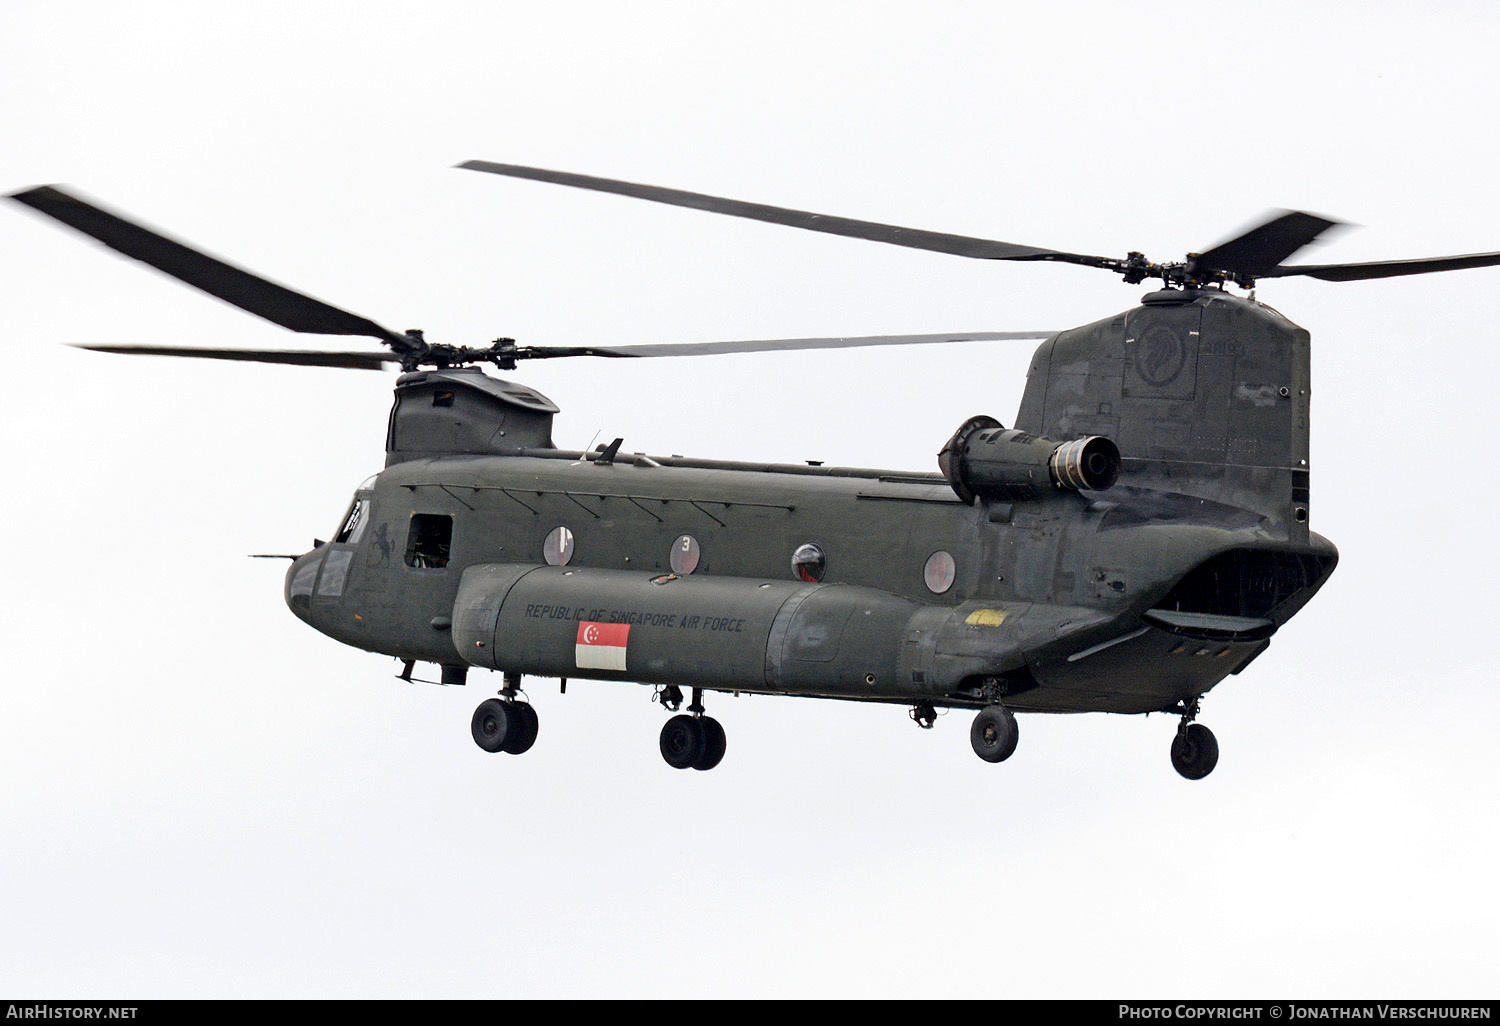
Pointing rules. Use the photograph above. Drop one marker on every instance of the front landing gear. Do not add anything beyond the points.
(505, 724)
(692, 740)
(994, 733)
(1195, 750)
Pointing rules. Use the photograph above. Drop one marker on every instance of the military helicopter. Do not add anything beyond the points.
(1137, 535)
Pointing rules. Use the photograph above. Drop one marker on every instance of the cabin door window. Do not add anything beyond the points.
(429, 541)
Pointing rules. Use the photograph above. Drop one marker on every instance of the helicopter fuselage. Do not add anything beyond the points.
(917, 596)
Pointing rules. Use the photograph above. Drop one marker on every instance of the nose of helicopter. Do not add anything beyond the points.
(300, 578)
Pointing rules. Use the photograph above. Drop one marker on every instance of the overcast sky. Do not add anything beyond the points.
(200, 796)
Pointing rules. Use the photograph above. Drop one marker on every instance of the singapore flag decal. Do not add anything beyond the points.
(601, 646)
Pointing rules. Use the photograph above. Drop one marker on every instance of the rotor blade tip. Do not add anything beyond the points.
(24, 195)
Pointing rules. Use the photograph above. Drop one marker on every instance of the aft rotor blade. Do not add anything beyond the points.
(914, 238)
(247, 291)
(1385, 268)
(298, 357)
(775, 344)
(1259, 251)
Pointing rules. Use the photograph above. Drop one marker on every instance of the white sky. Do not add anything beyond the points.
(202, 797)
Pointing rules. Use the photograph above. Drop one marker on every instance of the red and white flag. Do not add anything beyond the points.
(601, 646)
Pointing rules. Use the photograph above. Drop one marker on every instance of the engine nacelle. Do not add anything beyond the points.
(984, 460)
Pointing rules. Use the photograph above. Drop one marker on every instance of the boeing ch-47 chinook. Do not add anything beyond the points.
(1137, 535)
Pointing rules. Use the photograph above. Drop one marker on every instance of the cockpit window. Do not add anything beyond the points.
(354, 523)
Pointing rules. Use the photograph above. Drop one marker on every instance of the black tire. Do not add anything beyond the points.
(714, 743)
(523, 728)
(682, 742)
(994, 733)
(491, 725)
(1195, 751)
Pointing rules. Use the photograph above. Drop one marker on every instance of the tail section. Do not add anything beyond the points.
(1206, 394)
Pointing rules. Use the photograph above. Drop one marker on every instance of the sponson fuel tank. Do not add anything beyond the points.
(753, 635)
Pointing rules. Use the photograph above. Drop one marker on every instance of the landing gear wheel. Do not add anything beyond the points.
(683, 741)
(491, 724)
(1195, 751)
(504, 725)
(714, 744)
(523, 727)
(994, 733)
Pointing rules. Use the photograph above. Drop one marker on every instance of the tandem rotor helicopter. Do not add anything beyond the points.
(1138, 533)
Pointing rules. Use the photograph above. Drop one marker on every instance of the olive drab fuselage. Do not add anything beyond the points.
(483, 545)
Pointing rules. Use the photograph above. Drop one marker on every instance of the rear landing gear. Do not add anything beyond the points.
(994, 733)
(693, 740)
(505, 724)
(1195, 750)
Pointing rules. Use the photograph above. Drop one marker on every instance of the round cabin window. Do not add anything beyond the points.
(939, 572)
(557, 550)
(685, 555)
(809, 563)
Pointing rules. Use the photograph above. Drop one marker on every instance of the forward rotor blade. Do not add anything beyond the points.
(298, 357)
(1259, 251)
(1385, 268)
(247, 291)
(772, 345)
(913, 238)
